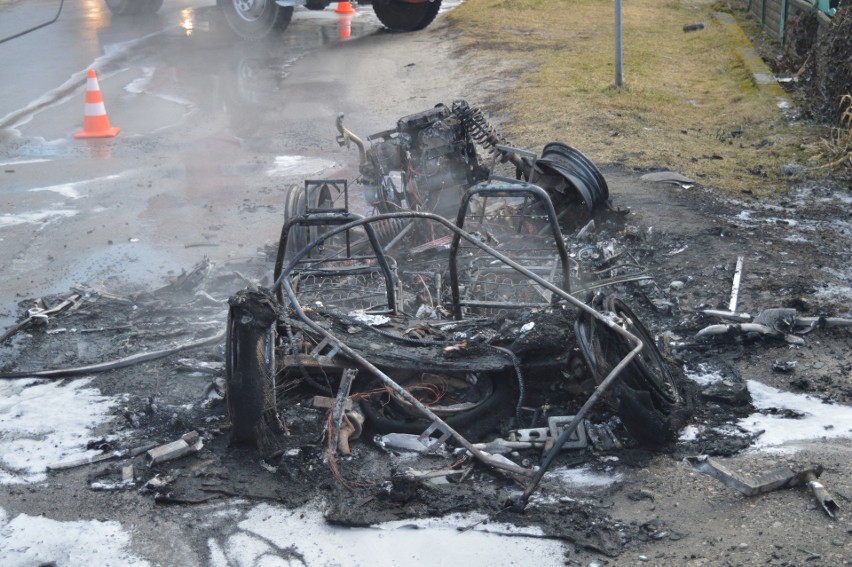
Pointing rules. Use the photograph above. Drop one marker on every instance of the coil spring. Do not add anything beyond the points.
(387, 229)
(478, 127)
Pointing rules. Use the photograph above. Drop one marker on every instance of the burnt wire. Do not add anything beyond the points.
(325, 388)
(431, 342)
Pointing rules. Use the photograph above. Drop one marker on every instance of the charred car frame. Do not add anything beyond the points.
(451, 326)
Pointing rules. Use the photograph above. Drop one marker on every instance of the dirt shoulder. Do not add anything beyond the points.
(690, 100)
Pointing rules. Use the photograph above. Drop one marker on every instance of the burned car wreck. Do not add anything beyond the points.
(447, 340)
(449, 316)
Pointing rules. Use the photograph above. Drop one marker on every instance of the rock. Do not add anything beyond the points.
(792, 169)
(667, 177)
(785, 366)
(729, 393)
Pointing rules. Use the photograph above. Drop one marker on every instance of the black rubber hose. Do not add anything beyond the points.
(114, 364)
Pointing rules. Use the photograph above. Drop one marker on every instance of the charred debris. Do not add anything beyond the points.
(466, 313)
(474, 312)
(451, 313)
(477, 313)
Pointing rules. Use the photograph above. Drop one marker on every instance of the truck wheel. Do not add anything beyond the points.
(250, 368)
(123, 7)
(401, 16)
(151, 6)
(255, 19)
(131, 7)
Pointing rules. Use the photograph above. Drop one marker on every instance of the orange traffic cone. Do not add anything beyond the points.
(344, 24)
(95, 121)
(345, 8)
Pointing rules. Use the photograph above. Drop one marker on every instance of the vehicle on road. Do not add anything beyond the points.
(255, 19)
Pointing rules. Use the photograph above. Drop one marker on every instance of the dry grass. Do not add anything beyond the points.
(836, 148)
(688, 103)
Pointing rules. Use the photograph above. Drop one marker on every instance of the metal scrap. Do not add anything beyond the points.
(42, 313)
(782, 322)
(187, 444)
(782, 477)
(512, 255)
(337, 414)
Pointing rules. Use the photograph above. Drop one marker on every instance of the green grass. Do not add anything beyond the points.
(687, 99)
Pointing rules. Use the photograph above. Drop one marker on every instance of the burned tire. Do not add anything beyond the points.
(401, 16)
(486, 416)
(255, 19)
(250, 367)
(295, 204)
(647, 396)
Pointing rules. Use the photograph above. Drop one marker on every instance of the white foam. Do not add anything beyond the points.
(22, 161)
(36, 540)
(137, 86)
(298, 165)
(780, 434)
(268, 532)
(583, 477)
(35, 217)
(689, 433)
(703, 374)
(42, 423)
(833, 292)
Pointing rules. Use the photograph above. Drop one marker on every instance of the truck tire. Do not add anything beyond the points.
(132, 7)
(255, 19)
(400, 16)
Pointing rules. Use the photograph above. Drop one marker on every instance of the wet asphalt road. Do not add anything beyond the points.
(213, 132)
